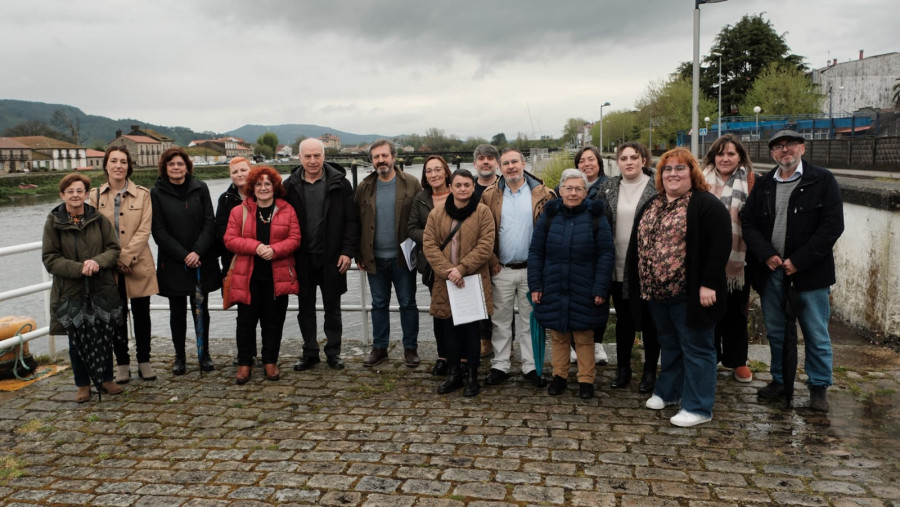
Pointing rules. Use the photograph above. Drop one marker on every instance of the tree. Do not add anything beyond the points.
(66, 123)
(572, 130)
(521, 143)
(436, 140)
(747, 49)
(266, 144)
(499, 141)
(780, 90)
(668, 103)
(34, 128)
(618, 127)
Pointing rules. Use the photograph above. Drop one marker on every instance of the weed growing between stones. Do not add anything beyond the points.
(10, 468)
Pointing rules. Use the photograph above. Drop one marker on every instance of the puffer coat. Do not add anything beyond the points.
(571, 261)
(65, 248)
(182, 226)
(476, 245)
(135, 223)
(284, 238)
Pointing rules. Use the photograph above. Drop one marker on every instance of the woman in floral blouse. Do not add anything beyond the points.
(682, 243)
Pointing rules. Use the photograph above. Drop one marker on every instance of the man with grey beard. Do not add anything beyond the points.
(384, 199)
(486, 160)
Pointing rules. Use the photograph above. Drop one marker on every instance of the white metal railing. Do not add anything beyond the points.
(44, 287)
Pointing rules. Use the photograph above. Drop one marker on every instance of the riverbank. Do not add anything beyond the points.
(38, 184)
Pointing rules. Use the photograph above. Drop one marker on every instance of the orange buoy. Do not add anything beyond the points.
(11, 326)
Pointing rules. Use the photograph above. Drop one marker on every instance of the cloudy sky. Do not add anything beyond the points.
(471, 68)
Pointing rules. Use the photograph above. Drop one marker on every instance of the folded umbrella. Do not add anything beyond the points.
(791, 306)
(92, 322)
(538, 339)
(199, 298)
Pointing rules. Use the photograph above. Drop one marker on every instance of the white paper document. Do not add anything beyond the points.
(408, 247)
(467, 303)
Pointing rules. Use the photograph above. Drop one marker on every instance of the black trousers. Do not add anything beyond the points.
(140, 315)
(732, 337)
(269, 312)
(178, 324)
(306, 316)
(463, 341)
(625, 331)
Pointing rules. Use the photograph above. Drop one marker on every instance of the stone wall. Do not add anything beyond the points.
(868, 153)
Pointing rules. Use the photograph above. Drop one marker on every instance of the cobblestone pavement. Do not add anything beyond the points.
(383, 437)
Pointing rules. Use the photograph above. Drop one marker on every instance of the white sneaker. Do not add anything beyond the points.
(600, 357)
(655, 403)
(687, 419)
(573, 358)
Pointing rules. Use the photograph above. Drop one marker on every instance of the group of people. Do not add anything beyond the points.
(675, 249)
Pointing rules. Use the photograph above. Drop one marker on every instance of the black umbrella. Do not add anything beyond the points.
(199, 298)
(92, 322)
(791, 306)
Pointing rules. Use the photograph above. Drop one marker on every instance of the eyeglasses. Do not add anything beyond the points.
(674, 169)
(569, 188)
(263, 184)
(790, 145)
(433, 170)
(74, 191)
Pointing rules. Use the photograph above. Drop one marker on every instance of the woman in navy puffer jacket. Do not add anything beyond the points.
(570, 265)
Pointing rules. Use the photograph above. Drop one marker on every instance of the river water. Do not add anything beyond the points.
(23, 222)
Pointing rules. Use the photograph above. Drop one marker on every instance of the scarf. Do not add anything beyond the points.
(460, 214)
(733, 194)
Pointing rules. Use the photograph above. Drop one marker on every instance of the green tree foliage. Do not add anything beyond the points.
(435, 139)
(35, 128)
(618, 127)
(266, 144)
(747, 49)
(783, 90)
(668, 105)
(499, 141)
(571, 133)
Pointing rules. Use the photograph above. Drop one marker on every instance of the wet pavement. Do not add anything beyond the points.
(383, 437)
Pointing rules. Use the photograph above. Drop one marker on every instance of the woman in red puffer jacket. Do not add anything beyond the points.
(263, 233)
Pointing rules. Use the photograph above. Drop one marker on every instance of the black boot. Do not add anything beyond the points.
(179, 367)
(454, 381)
(206, 363)
(472, 386)
(623, 377)
(648, 380)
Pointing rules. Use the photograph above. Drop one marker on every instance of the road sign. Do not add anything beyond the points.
(703, 132)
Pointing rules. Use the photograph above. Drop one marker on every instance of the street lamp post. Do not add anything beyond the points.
(757, 109)
(830, 113)
(601, 125)
(706, 130)
(695, 92)
(719, 128)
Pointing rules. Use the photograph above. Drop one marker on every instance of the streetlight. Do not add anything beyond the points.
(706, 120)
(830, 113)
(757, 109)
(601, 124)
(719, 128)
(695, 92)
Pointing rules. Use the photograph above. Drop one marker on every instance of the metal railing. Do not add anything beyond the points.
(44, 286)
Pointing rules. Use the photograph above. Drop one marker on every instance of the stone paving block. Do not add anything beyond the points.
(318, 467)
(338, 482)
(341, 498)
(370, 469)
(437, 502)
(778, 483)
(742, 495)
(593, 499)
(569, 482)
(252, 493)
(305, 496)
(547, 468)
(659, 474)
(644, 501)
(159, 501)
(539, 494)
(157, 489)
(623, 486)
(72, 485)
(118, 487)
(29, 494)
(205, 491)
(71, 498)
(238, 478)
(480, 490)
(623, 459)
(421, 472)
(425, 487)
(573, 456)
(844, 488)
(791, 498)
(465, 475)
(856, 502)
(380, 500)
(115, 499)
(508, 477)
(377, 484)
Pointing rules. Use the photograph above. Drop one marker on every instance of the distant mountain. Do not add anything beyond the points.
(99, 131)
(287, 134)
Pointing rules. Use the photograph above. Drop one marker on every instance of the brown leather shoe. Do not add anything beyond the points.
(411, 357)
(375, 357)
(272, 372)
(487, 349)
(110, 387)
(83, 394)
(243, 375)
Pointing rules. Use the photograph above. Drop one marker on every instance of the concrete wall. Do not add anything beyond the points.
(859, 83)
(867, 257)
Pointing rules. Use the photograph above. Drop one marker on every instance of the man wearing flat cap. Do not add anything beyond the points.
(792, 218)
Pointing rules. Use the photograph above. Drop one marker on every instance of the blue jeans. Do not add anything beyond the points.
(688, 358)
(813, 319)
(387, 272)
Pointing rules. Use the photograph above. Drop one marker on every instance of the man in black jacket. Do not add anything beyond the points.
(791, 221)
(329, 231)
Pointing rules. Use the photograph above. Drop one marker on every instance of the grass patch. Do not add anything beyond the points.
(29, 427)
(10, 468)
(550, 169)
(758, 366)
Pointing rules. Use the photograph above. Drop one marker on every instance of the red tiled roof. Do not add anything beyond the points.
(141, 139)
(94, 153)
(44, 143)
(9, 143)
